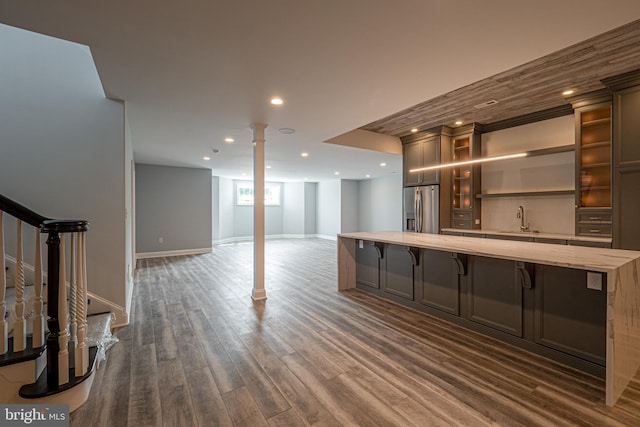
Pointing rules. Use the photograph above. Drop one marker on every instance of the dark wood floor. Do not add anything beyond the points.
(199, 352)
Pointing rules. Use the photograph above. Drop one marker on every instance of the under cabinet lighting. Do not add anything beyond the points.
(469, 162)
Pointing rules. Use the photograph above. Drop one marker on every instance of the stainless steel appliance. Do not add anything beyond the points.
(421, 209)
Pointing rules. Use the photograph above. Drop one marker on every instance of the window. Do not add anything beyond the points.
(244, 191)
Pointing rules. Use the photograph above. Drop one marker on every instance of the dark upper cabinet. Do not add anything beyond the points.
(626, 159)
(420, 150)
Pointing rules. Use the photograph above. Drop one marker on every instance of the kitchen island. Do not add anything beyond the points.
(413, 269)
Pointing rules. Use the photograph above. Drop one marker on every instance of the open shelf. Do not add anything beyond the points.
(526, 193)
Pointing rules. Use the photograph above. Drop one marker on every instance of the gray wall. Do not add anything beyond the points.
(380, 204)
(348, 206)
(294, 208)
(328, 208)
(227, 206)
(63, 149)
(173, 203)
(310, 199)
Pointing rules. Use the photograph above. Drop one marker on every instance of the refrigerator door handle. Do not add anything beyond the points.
(419, 210)
(434, 213)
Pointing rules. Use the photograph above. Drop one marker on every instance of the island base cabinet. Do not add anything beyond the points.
(569, 316)
(440, 285)
(399, 272)
(367, 264)
(494, 294)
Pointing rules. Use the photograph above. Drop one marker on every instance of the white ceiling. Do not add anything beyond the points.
(194, 72)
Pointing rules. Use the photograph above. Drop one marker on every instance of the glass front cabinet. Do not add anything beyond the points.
(593, 170)
(465, 178)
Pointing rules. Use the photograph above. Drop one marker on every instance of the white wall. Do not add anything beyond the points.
(551, 214)
(380, 204)
(64, 149)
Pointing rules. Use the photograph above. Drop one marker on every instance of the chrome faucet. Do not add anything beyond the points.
(520, 216)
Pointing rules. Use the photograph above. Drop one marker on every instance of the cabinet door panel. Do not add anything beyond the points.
(495, 294)
(568, 316)
(412, 159)
(368, 266)
(628, 204)
(439, 287)
(430, 157)
(399, 271)
(628, 126)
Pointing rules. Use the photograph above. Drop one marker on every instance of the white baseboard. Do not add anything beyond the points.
(144, 255)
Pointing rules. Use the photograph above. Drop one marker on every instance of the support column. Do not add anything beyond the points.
(258, 292)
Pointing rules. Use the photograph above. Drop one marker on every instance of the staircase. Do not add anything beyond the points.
(38, 364)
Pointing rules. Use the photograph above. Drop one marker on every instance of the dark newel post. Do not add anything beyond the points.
(53, 276)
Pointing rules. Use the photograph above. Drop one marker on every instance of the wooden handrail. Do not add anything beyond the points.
(22, 213)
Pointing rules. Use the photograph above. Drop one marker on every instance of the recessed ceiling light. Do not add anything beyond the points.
(229, 140)
(206, 158)
(414, 130)
(336, 173)
(304, 154)
(268, 167)
(567, 92)
(306, 179)
(244, 174)
(459, 122)
(277, 101)
(367, 176)
(383, 164)
(286, 131)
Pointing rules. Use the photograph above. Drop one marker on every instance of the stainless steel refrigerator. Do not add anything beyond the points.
(421, 209)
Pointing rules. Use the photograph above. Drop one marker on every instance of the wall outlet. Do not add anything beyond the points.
(594, 281)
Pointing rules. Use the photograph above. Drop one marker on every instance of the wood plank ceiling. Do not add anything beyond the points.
(526, 89)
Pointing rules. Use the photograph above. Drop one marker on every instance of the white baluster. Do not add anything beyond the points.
(20, 327)
(3, 287)
(63, 337)
(82, 351)
(38, 305)
(73, 291)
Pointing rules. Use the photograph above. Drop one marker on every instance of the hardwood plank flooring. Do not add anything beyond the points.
(200, 352)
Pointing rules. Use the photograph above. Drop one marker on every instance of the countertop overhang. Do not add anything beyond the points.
(533, 234)
(584, 258)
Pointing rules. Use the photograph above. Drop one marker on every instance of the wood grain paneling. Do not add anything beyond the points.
(528, 88)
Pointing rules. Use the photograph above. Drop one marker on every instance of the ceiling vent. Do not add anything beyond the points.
(486, 104)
